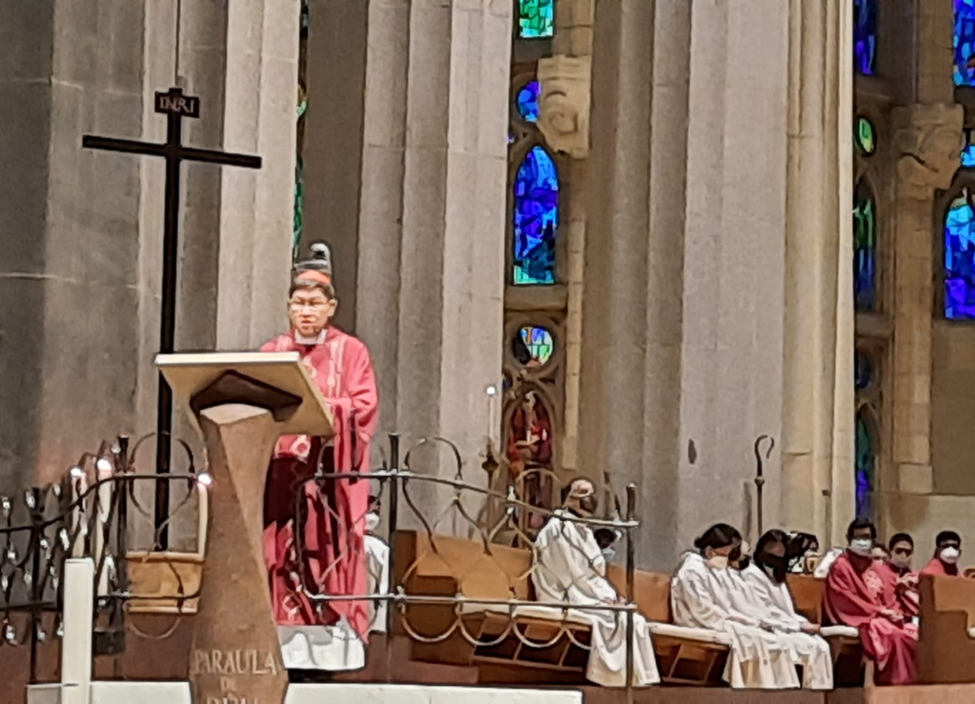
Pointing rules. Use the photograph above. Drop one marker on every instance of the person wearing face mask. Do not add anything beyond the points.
(377, 565)
(946, 554)
(570, 569)
(896, 569)
(702, 596)
(765, 579)
(858, 595)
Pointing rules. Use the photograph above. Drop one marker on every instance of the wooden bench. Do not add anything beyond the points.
(946, 650)
(809, 595)
(551, 643)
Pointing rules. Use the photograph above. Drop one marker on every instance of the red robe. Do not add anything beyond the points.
(937, 567)
(908, 597)
(333, 515)
(857, 595)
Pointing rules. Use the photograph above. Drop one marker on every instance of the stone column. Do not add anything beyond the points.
(684, 286)
(69, 275)
(926, 139)
(615, 306)
(818, 409)
(432, 213)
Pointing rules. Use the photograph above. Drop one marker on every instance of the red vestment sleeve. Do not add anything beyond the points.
(846, 600)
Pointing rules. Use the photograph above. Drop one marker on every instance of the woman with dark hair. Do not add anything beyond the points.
(765, 580)
(700, 598)
(314, 532)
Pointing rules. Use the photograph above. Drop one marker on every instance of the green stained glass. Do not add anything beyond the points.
(865, 137)
(536, 19)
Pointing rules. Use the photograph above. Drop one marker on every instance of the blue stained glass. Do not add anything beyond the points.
(865, 35)
(864, 248)
(964, 43)
(862, 370)
(866, 459)
(528, 102)
(960, 259)
(536, 19)
(536, 215)
(968, 151)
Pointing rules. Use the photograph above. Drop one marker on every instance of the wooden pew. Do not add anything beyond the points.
(946, 650)
(809, 595)
(557, 639)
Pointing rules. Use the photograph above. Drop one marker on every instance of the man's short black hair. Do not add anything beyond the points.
(947, 536)
(860, 524)
(900, 538)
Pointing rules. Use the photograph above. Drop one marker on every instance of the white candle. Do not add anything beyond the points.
(202, 512)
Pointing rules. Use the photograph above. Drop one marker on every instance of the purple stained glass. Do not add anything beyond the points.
(865, 35)
(864, 248)
(866, 462)
(960, 258)
(536, 219)
(528, 102)
(964, 43)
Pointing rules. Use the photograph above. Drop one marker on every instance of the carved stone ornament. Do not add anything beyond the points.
(563, 106)
(928, 140)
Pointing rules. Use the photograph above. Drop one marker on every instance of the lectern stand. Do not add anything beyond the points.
(242, 403)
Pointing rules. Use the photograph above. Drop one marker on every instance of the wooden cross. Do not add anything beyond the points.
(175, 106)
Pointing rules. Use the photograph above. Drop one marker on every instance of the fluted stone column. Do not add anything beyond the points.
(429, 230)
(684, 303)
(818, 409)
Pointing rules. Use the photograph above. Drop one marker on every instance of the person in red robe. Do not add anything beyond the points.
(896, 570)
(946, 553)
(314, 530)
(859, 595)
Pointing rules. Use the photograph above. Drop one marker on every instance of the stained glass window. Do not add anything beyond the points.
(864, 248)
(968, 150)
(528, 102)
(865, 35)
(862, 370)
(964, 43)
(864, 137)
(536, 215)
(866, 462)
(536, 19)
(960, 258)
(533, 346)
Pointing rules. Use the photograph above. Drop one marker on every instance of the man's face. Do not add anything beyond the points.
(310, 310)
(901, 553)
(583, 496)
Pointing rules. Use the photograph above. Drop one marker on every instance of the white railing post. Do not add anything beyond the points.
(76, 652)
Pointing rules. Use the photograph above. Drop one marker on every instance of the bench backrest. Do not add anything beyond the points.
(499, 573)
(808, 593)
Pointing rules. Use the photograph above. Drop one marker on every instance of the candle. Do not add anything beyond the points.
(203, 483)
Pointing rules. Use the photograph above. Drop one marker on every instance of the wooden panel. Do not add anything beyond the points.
(651, 591)
(808, 593)
(166, 575)
(946, 653)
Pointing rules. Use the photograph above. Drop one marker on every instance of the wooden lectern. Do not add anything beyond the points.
(242, 402)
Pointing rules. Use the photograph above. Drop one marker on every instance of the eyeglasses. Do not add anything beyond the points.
(906, 552)
(314, 305)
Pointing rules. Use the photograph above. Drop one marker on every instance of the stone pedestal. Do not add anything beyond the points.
(236, 655)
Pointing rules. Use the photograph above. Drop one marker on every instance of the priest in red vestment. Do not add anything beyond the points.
(314, 531)
(896, 570)
(859, 595)
(946, 553)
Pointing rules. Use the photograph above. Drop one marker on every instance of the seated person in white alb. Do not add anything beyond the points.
(701, 597)
(570, 569)
(764, 580)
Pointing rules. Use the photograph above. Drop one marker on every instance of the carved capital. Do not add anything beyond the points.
(564, 103)
(928, 141)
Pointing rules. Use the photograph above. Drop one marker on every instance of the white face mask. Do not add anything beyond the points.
(950, 555)
(609, 553)
(718, 562)
(861, 546)
(372, 521)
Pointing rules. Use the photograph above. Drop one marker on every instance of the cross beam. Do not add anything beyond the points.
(175, 106)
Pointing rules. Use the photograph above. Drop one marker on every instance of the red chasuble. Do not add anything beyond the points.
(858, 595)
(936, 566)
(332, 516)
